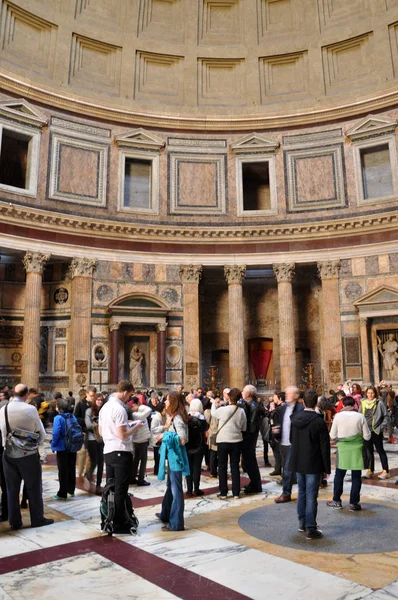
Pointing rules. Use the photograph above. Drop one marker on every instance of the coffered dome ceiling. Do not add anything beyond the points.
(203, 59)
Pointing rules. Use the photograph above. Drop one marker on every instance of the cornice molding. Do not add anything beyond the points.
(91, 227)
(84, 107)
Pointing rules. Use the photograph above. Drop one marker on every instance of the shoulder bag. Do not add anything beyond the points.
(19, 442)
(213, 437)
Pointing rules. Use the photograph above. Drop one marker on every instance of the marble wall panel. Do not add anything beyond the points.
(174, 333)
(372, 265)
(78, 171)
(351, 327)
(384, 263)
(14, 296)
(358, 266)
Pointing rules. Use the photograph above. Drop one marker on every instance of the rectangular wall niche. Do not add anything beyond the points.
(19, 155)
(197, 183)
(376, 172)
(315, 178)
(137, 183)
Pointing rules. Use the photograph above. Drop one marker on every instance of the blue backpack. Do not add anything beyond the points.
(74, 436)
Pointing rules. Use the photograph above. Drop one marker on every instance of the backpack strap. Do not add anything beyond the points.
(7, 421)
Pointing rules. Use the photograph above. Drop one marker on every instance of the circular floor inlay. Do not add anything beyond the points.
(372, 530)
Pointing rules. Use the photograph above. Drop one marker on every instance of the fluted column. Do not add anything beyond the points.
(363, 325)
(161, 355)
(114, 329)
(331, 325)
(287, 346)
(34, 263)
(235, 274)
(190, 276)
(81, 272)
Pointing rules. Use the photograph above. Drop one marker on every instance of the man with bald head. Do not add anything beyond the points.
(285, 414)
(26, 466)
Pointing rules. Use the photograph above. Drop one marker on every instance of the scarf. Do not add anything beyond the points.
(368, 404)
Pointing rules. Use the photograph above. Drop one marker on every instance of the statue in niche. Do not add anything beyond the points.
(137, 366)
(389, 354)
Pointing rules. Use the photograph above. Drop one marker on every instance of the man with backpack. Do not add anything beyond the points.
(117, 431)
(255, 413)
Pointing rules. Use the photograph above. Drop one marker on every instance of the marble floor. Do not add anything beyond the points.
(213, 559)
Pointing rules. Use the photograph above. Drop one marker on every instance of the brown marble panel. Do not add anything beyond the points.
(315, 179)
(192, 194)
(78, 171)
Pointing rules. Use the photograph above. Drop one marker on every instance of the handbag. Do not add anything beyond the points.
(213, 437)
(19, 442)
(97, 435)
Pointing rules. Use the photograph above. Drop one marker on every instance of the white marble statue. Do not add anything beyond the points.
(137, 361)
(388, 351)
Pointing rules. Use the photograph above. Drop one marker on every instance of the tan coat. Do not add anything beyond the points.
(213, 428)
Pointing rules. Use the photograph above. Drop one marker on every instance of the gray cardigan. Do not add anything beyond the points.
(379, 419)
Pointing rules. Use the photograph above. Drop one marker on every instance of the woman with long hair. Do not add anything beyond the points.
(231, 422)
(173, 449)
(95, 444)
(376, 415)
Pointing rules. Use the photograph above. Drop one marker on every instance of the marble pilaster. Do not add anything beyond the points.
(331, 326)
(81, 272)
(190, 276)
(34, 263)
(363, 330)
(161, 355)
(287, 347)
(114, 329)
(235, 274)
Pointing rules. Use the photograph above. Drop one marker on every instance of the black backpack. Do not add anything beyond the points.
(107, 510)
(74, 436)
(196, 434)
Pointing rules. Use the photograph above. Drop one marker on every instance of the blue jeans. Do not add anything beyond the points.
(307, 504)
(173, 502)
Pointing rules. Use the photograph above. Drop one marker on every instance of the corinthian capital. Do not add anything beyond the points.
(234, 273)
(284, 271)
(82, 267)
(190, 273)
(34, 262)
(329, 269)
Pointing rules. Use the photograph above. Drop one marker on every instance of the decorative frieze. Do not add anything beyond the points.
(190, 273)
(284, 271)
(234, 273)
(34, 262)
(82, 267)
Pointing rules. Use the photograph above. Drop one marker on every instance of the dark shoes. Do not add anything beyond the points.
(43, 523)
(355, 507)
(282, 499)
(99, 490)
(16, 527)
(275, 474)
(159, 516)
(199, 493)
(302, 526)
(314, 534)
(267, 465)
(24, 504)
(142, 483)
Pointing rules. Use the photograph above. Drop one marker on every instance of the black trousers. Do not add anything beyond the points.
(118, 468)
(231, 450)
(250, 461)
(4, 499)
(213, 456)
(27, 469)
(276, 449)
(156, 458)
(66, 463)
(368, 452)
(195, 465)
(140, 458)
(356, 483)
(96, 454)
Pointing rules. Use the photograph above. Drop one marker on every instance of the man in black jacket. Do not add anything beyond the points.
(309, 458)
(285, 414)
(255, 413)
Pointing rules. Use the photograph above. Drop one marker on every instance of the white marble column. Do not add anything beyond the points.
(331, 322)
(190, 276)
(34, 263)
(235, 274)
(287, 345)
(81, 272)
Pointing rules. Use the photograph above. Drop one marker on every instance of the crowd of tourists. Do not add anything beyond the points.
(191, 433)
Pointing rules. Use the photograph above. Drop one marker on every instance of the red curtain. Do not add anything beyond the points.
(260, 360)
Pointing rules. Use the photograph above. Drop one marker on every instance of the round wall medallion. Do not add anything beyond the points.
(105, 293)
(353, 290)
(61, 295)
(173, 355)
(16, 357)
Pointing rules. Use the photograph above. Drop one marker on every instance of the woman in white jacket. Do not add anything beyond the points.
(141, 438)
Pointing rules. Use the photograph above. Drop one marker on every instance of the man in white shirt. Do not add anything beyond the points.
(117, 431)
(291, 407)
(27, 468)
